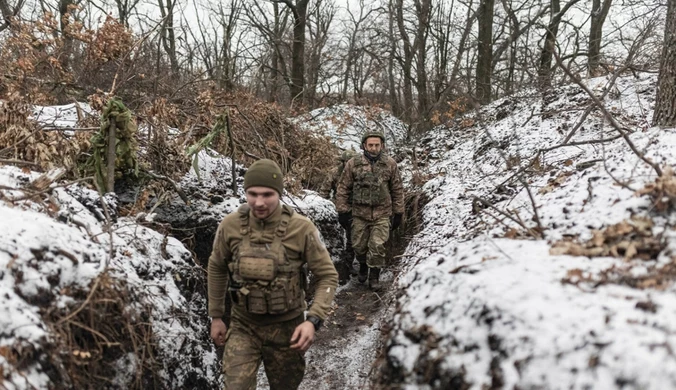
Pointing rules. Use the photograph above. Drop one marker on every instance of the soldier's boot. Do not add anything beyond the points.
(363, 269)
(374, 279)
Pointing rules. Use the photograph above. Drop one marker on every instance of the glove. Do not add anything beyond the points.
(396, 221)
(345, 220)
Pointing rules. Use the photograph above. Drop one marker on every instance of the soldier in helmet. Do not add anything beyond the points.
(370, 199)
(259, 257)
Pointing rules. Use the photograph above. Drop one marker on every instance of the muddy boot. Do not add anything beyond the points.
(374, 276)
(363, 269)
(363, 272)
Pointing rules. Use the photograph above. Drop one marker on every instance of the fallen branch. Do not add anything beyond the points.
(532, 232)
(18, 162)
(178, 189)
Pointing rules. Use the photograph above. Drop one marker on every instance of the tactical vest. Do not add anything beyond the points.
(269, 283)
(370, 187)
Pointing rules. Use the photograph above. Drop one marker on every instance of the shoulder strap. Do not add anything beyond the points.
(243, 211)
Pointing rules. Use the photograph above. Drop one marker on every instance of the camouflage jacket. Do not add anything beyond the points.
(331, 182)
(301, 242)
(370, 191)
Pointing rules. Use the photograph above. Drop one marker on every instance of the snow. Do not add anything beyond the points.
(345, 124)
(498, 308)
(42, 257)
(479, 304)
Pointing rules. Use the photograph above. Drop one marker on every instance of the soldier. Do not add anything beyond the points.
(258, 256)
(370, 192)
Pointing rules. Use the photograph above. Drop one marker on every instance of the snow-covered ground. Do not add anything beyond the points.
(482, 304)
(55, 250)
(487, 306)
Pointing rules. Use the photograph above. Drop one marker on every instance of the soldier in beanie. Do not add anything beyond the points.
(370, 200)
(259, 257)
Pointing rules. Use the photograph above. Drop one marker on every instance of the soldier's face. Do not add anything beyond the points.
(373, 145)
(262, 200)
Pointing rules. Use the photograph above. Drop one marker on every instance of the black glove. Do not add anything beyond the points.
(345, 220)
(396, 221)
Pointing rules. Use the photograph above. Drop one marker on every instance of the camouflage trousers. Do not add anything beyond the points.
(246, 345)
(369, 238)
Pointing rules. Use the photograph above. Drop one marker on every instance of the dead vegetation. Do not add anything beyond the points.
(101, 331)
(662, 192)
(629, 239)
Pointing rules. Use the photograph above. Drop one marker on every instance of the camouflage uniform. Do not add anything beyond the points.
(255, 333)
(376, 192)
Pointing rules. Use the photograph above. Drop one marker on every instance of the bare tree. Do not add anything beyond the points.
(297, 80)
(9, 12)
(125, 9)
(414, 44)
(354, 30)
(484, 65)
(665, 107)
(599, 13)
(272, 27)
(423, 10)
(516, 30)
(319, 22)
(168, 37)
(546, 54)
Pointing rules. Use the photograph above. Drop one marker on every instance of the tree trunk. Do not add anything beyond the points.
(406, 62)
(484, 63)
(167, 34)
(546, 55)
(111, 156)
(665, 107)
(64, 23)
(598, 17)
(392, 86)
(297, 85)
(423, 9)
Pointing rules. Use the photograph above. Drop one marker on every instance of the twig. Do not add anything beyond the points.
(178, 189)
(70, 128)
(589, 142)
(30, 194)
(10, 147)
(486, 203)
(608, 115)
(19, 162)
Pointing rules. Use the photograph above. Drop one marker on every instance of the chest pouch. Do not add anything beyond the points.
(368, 190)
(270, 282)
(258, 268)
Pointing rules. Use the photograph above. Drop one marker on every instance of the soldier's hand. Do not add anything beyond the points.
(218, 331)
(345, 220)
(396, 221)
(303, 336)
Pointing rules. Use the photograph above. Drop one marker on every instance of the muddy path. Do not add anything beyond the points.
(348, 344)
(344, 351)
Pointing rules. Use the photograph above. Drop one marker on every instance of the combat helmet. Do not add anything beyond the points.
(372, 133)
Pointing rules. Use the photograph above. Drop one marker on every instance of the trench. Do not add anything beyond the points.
(347, 353)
